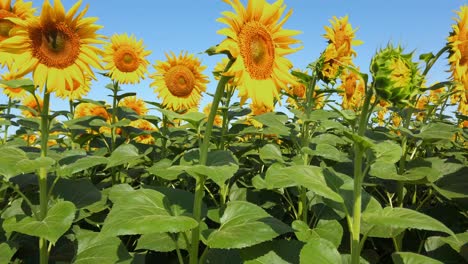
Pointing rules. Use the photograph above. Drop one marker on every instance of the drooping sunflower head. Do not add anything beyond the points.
(20, 10)
(33, 106)
(76, 90)
(179, 81)
(396, 77)
(256, 39)
(458, 44)
(125, 59)
(353, 88)
(13, 93)
(57, 47)
(134, 103)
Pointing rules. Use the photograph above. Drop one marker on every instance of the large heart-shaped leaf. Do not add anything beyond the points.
(244, 224)
(143, 211)
(58, 220)
(320, 251)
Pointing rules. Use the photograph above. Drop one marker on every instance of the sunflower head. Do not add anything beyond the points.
(75, 90)
(57, 47)
(458, 44)
(89, 109)
(353, 88)
(125, 59)
(218, 121)
(396, 76)
(19, 10)
(134, 103)
(144, 125)
(179, 81)
(33, 104)
(13, 93)
(258, 43)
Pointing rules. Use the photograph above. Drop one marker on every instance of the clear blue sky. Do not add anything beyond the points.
(190, 25)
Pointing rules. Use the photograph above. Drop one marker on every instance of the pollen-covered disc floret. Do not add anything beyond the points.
(396, 77)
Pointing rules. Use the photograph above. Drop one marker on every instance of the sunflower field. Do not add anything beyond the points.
(325, 164)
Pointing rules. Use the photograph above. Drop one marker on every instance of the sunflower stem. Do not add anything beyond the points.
(358, 180)
(43, 194)
(5, 136)
(200, 181)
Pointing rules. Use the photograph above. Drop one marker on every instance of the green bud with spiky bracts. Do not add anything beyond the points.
(396, 77)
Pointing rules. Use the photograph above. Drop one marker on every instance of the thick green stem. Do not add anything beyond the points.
(114, 115)
(43, 194)
(358, 180)
(5, 136)
(200, 182)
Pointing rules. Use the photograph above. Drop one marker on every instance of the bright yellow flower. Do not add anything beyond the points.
(434, 95)
(354, 90)
(57, 46)
(339, 52)
(13, 93)
(179, 81)
(30, 139)
(75, 91)
(458, 43)
(20, 10)
(256, 39)
(421, 105)
(382, 112)
(218, 121)
(136, 104)
(31, 102)
(146, 126)
(89, 109)
(125, 59)
(396, 119)
(298, 94)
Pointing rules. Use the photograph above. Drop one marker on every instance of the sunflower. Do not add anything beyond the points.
(146, 126)
(75, 91)
(218, 121)
(421, 106)
(354, 90)
(256, 39)
(13, 93)
(339, 51)
(57, 46)
(136, 104)
(33, 104)
(298, 94)
(179, 81)
(125, 59)
(89, 109)
(19, 10)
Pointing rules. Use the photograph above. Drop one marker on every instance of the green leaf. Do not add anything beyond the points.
(277, 251)
(453, 185)
(143, 211)
(94, 248)
(412, 258)
(27, 166)
(225, 256)
(271, 152)
(124, 154)
(25, 84)
(58, 220)
(329, 139)
(8, 160)
(434, 132)
(275, 122)
(310, 177)
(328, 152)
(346, 259)
(405, 218)
(457, 242)
(330, 230)
(320, 251)
(165, 170)
(80, 165)
(6, 253)
(244, 224)
(364, 142)
(387, 151)
(160, 242)
(84, 192)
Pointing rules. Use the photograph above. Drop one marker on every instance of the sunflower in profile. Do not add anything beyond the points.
(134, 103)
(125, 59)
(339, 52)
(354, 90)
(20, 10)
(89, 109)
(179, 81)
(13, 93)
(147, 126)
(33, 106)
(298, 95)
(56, 47)
(74, 91)
(256, 39)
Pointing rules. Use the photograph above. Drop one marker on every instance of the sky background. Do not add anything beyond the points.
(190, 25)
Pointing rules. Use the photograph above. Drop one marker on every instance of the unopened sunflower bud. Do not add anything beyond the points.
(396, 76)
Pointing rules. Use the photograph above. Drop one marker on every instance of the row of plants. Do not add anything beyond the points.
(357, 168)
